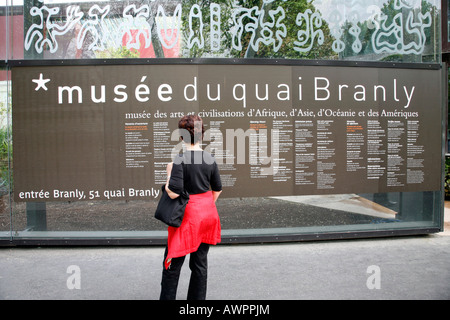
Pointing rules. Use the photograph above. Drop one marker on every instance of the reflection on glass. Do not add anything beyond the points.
(365, 211)
(373, 30)
(5, 151)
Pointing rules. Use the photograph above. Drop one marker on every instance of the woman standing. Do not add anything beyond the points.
(195, 171)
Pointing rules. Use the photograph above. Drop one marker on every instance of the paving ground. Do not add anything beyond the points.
(388, 268)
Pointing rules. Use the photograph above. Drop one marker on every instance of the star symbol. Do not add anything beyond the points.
(41, 82)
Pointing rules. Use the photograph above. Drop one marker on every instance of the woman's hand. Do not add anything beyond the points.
(216, 195)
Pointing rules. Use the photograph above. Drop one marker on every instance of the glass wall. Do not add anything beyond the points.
(376, 30)
(389, 34)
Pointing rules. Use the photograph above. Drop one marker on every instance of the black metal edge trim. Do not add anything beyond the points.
(226, 240)
(353, 235)
(222, 61)
(37, 242)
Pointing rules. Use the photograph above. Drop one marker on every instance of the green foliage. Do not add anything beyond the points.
(291, 9)
(3, 144)
(121, 52)
(5, 151)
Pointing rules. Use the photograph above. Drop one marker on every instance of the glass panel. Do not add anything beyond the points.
(376, 30)
(448, 115)
(354, 30)
(239, 216)
(3, 29)
(11, 30)
(16, 30)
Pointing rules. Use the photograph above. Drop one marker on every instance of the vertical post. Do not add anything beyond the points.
(36, 211)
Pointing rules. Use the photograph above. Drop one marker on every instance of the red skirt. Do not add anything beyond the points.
(201, 224)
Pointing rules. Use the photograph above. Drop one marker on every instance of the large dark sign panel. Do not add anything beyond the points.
(107, 132)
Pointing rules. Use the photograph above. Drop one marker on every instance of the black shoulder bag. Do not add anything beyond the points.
(171, 211)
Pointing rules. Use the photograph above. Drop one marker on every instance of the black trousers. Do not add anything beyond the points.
(198, 263)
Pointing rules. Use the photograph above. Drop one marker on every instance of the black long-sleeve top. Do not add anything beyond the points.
(199, 174)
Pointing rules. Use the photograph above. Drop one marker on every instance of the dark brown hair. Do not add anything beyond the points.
(193, 124)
